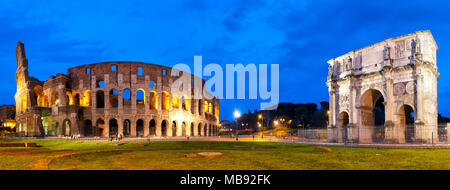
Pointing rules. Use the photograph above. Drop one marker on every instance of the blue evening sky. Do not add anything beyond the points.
(300, 36)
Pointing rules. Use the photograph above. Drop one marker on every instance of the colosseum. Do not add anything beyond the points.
(132, 99)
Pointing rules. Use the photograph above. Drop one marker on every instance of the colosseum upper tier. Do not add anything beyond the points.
(132, 99)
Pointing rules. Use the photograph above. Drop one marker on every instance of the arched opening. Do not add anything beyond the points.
(164, 128)
(205, 130)
(24, 102)
(113, 128)
(406, 114)
(175, 104)
(200, 106)
(372, 114)
(99, 128)
(343, 124)
(126, 97)
(126, 128)
(183, 129)
(199, 130)
(39, 95)
(140, 97)
(76, 99)
(66, 127)
(100, 99)
(87, 128)
(114, 98)
(184, 102)
(152, 128)
(174, 128)
(210, 131)
(140, 128)
(165, 100)
(210, 111)
(153, 100)
(55, 98)
(54, 131)
(192, 129)
(206, 109)
(69, 97)
(87, 98)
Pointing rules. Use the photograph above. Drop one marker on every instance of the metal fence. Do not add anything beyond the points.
(408, 134)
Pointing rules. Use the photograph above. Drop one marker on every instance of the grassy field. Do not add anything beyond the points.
(70, 155)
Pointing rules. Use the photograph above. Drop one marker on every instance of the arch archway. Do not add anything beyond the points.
(140, 128)
(152, 128)
(406, 118)
(343, 124)
(66, 127)
(99, 128)
(164, 128)
(174, 128)
(126, 128)
(114, 98)
(100, 97)
(87, 128)
(165, 100)
(113, 128)
(183, 129)
(199, 130)
(153, 100)
(372, 117)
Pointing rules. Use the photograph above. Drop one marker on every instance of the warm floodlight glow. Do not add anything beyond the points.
(237, 114)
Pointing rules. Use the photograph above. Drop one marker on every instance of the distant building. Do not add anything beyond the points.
(7, 116)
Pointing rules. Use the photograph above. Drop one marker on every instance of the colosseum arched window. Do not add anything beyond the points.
(152, 85)
(100, 84)
(175, 101)
(100, 97)
(114, 98)
(126, 97)
(140, 97)
(210, 108)
(153, 100)
(55, 98)
(87, 100)
(24, 102)
(185, 102)
(165, 100)
(206, 106)
(76, 99)
(39, 95)
(69, 97)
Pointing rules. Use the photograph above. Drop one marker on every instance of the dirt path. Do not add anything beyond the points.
(42, 164)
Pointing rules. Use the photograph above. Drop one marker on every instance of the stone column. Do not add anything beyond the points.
(133, 128)
(158, 128)
(120, 128)
(106, 130)
(146, 127)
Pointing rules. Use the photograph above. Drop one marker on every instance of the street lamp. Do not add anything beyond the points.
(237, 115)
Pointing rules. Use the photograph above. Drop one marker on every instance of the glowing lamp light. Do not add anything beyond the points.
(237, 114)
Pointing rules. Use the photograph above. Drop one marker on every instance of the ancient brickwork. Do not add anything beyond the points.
(110, 98)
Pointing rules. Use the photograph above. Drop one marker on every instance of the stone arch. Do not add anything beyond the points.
(152, 128)
(164, 128)
(55, 129)
(113, 98)
(126, 96)
(55, 98)
(67, 127)
(174, 128)
(69, 97)
(100, 97)
(39, 96)
(126, 127)
(343, 124)
(76, 99)
(153, 100)
(199, 130)
(175, 101)
(140, 97)
(372, 116)
(185, 102)
(99, 129)
(87, 100)
(113, 128)
(165, 100)
(406, 119)
(87, 128)
(183, 129)
(140, 128)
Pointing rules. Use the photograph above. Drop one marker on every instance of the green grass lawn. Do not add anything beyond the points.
(59, 155)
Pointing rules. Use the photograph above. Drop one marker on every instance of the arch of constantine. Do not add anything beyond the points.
(385, 92)
(106, 99)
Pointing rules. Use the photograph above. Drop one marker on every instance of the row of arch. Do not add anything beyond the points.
(173, 129)
(74, 98)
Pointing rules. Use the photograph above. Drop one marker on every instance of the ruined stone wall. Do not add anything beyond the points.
(102, 100)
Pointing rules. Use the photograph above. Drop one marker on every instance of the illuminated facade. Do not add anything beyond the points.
(7, 115)
(106, 99)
